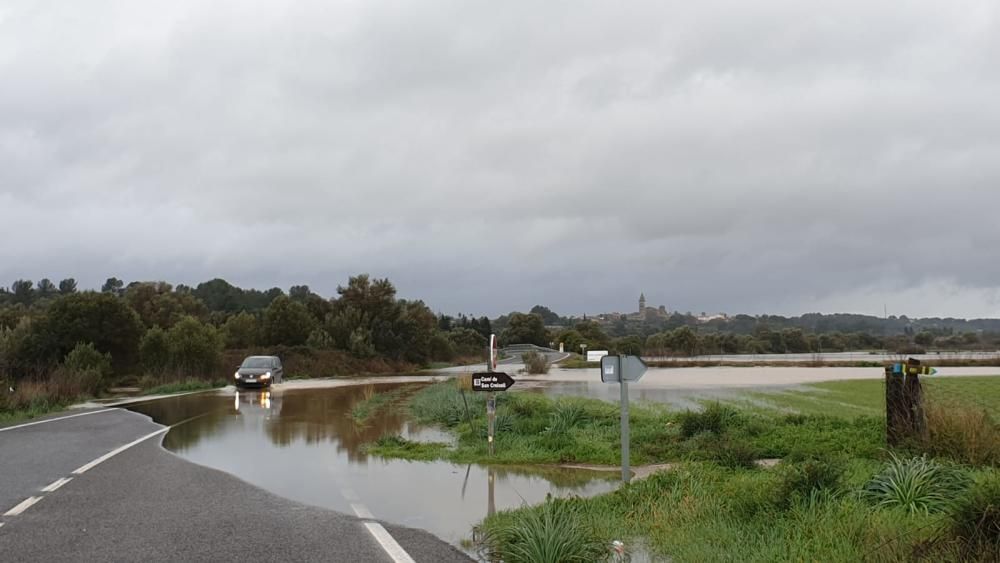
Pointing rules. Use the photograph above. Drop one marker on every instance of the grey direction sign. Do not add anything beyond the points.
(616, 368)
(491, 381)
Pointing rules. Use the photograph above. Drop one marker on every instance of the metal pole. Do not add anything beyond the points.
(491, 405)
(626, 474)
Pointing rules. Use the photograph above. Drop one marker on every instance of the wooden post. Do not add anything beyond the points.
(904, 407)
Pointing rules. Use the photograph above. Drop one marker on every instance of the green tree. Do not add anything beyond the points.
(525, 329)
(23, 292)
(67, 286)
(113, 286)
(287, 322)
(241, 331)
(467, 342)
(45, 288)
(154, 350)
(548, 317)
(157, 305)
(195, 348)
(924, 338)
(100, 318)
(684, 340)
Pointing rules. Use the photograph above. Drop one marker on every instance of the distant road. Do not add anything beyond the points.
(97, 486)
(861, 356)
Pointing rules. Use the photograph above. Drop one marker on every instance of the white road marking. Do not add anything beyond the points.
(362, 511)
(57, 484)
(99, 411)
(1, 524)
(25, 505)
(350, 495)
(83, 469)
(395, 551)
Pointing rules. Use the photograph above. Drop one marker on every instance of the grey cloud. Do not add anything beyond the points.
(487, 157)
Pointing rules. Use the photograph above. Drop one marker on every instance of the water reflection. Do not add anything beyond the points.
(304, 445)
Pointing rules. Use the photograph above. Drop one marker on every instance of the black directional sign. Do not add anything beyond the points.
(495, 381)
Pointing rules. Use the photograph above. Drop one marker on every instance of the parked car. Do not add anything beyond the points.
(260, 370)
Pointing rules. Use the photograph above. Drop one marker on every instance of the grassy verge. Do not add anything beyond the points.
(184, 386)
(704, 512)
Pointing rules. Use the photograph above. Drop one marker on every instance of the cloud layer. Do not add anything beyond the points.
(777, 156)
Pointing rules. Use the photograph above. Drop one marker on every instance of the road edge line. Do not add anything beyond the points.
(96, 411)
(88, 466)
(388, 543)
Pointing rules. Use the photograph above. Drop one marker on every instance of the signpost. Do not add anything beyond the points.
(621, 370)
(492, 381)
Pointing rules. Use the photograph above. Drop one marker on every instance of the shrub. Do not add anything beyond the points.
(963, 434)
(799, 479)
(976, 520)
(85, 357)
(735, 455)
(916, 484)
(535, 363)
(550, 532)
(715, 419)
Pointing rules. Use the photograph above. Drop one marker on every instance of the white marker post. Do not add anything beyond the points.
(491, 398)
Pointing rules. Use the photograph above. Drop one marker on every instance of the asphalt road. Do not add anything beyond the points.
(146, 504)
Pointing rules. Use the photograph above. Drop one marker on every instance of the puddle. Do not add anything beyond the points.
(304, 445)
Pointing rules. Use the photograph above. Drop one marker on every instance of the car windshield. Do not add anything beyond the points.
(257, 363)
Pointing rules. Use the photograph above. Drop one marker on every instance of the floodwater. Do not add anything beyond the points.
(303, 445)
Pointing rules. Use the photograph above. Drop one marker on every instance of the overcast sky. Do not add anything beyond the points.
(760, 157)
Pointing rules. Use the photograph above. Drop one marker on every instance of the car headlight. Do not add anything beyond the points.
(236, 375)
(266, 376)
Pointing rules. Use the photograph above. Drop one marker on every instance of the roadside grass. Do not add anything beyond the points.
(185, 386)
(373, 402)
(704, 512)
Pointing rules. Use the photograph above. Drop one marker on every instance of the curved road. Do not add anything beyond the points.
(97, 486)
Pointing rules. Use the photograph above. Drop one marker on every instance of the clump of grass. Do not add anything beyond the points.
(976, 520)
(391, 446)
(535, 363)
(916, 484)
(962, 433)
(715, 419)
(373, 402)
(442, 404)
(799, 479)
(545, 534)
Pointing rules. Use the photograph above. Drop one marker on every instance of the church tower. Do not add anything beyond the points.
(642, 303)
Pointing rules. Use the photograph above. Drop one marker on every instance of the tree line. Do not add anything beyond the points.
(160, 329)
(688, 337)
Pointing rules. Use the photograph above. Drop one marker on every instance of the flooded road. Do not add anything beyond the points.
(304, 445)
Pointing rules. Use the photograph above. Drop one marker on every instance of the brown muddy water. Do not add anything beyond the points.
(304, 445)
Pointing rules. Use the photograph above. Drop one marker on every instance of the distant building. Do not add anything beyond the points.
(645, 312)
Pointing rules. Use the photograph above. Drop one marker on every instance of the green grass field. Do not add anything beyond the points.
(867, 397)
